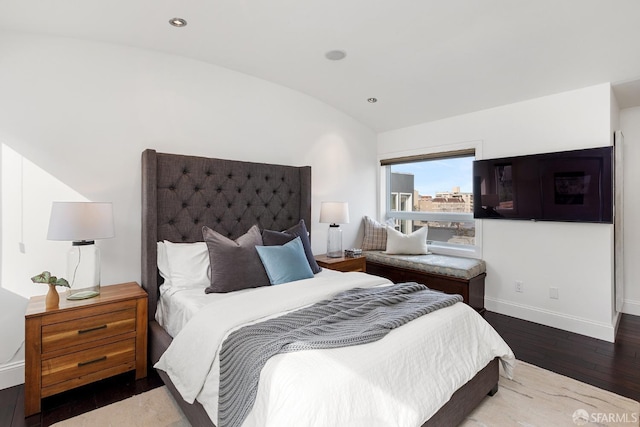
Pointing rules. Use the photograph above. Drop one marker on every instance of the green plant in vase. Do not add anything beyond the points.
(52, 299)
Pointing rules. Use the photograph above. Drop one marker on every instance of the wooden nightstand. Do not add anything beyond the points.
(84, 341)
(342, 263)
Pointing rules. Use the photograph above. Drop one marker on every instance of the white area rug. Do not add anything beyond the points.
(540, 398)
(535, 398)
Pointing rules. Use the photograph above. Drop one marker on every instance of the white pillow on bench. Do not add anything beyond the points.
(407, 244)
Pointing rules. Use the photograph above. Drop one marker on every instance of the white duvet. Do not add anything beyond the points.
(400, 380)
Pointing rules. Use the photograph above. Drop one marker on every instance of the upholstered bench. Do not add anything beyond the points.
(453, 275)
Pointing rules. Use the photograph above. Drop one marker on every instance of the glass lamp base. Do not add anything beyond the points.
(82, 294)
(83, 270)
(334, 242)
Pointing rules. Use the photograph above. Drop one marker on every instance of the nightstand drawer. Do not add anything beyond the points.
(83, 363)
(66, 334)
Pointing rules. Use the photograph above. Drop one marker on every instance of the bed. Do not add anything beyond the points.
(182, 193)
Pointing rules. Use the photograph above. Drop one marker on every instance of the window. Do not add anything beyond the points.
(434, 191)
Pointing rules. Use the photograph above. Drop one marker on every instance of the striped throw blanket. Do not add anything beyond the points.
(353, 317)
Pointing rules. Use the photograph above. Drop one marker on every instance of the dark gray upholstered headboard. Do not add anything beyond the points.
(180, 194)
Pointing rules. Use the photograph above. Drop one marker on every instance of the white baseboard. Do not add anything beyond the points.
(11, 374)
(631, 307)
(578, 325)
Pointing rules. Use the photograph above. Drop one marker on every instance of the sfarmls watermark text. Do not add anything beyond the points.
(582, 417)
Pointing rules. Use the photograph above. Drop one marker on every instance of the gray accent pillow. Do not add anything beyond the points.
(375, 235)
(278, 238)
(235, 264)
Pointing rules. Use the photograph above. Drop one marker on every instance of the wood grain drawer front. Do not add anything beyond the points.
(83, 363)
(62, 335)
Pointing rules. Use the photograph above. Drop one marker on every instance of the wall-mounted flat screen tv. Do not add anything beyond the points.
(572, 185)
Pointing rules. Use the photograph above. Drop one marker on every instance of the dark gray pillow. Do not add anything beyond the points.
(277, 238)
(235, 264)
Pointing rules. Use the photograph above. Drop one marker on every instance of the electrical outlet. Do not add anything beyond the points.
(553, 293)
(519, 286)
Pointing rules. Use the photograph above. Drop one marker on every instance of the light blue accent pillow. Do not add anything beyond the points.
(286, 263)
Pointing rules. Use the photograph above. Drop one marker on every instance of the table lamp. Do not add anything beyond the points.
(82, 223)
(334, 213)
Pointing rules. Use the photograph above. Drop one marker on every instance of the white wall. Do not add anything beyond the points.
(84, 112)
(27, 194)
(12, 338)
(630, 125)
(575, 258)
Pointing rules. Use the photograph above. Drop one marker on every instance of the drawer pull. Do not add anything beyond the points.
(99, 359)
(97, 328)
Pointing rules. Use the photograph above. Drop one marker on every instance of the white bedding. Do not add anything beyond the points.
(400, 380)
(177, 304)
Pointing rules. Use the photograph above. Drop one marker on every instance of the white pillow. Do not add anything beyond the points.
(407, 244)
(163, 263)
(188, 264)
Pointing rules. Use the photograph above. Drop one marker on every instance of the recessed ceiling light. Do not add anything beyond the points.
(372, 100)
(335, 55)
(178, 22)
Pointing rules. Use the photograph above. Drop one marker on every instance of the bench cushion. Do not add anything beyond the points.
(446, 265)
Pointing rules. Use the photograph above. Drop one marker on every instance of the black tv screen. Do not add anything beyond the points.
(563, 186)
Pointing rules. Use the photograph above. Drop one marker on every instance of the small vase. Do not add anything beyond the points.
(52, 299)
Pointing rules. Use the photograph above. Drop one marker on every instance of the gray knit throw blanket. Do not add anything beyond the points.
(356, 316)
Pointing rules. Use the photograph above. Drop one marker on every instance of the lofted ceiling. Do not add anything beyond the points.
(422, 59)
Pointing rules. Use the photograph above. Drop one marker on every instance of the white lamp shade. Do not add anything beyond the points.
(78, 221)
(334, 212)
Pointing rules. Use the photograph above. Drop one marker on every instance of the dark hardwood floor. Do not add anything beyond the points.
(73, 402)
(613, 367)
(610, 366)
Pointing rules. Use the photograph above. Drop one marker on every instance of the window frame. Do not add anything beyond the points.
(442, 152)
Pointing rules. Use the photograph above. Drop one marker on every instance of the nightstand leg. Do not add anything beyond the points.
(141, 339)
(32, 367)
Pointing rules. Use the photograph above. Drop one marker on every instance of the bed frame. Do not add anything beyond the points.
(181, 193)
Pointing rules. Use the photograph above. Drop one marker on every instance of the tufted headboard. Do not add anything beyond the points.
(181, 193)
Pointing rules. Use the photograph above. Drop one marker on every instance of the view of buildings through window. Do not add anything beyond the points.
(436, 193)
